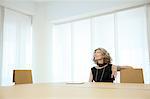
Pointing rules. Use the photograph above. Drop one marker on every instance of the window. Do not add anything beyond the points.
(71, 48)
(81, 50)
(61, 53)
(103, 33)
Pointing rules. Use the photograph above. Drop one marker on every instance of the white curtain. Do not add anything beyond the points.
(81, 50)
(17, 44)
(123, 34)
(61, 53)
(71, 48)
(103, 33)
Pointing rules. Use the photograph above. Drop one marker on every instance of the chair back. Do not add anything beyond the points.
(131, 76)
(22, 76)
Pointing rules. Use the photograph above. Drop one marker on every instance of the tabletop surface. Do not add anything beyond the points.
(76, 91)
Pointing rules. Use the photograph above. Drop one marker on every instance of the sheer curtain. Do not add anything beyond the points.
(71, 48)
(17, 44)
(103, 33)
(81, 50)
(61, 70)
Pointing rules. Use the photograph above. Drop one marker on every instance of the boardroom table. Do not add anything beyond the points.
(86, 90)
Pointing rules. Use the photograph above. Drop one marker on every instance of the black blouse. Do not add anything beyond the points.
(102, 75)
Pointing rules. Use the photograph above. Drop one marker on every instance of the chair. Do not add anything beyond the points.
(123, 67)
(22, 76)
(131, 75)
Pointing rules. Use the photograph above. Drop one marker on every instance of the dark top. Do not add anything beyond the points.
(102, 75)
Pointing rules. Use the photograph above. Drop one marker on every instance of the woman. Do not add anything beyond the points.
(104, 71)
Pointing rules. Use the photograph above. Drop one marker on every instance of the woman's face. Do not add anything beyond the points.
(98, 57)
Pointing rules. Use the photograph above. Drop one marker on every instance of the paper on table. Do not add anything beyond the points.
(74, 82)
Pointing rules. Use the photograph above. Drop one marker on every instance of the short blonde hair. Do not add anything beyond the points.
(106, 55)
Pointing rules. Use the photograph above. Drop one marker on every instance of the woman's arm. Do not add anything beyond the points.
(91, 77)
(114, 71)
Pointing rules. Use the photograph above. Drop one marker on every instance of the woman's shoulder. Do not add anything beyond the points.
(112, 66)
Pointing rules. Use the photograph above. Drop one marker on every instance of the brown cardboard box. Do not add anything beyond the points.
(131, 76)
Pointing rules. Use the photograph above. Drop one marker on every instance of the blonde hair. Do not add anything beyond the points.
(106, 55)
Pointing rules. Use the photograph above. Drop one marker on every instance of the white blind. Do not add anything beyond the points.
(103, 33)
(17, 44)
(81, 48)
(61, 70)
(71, 48)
